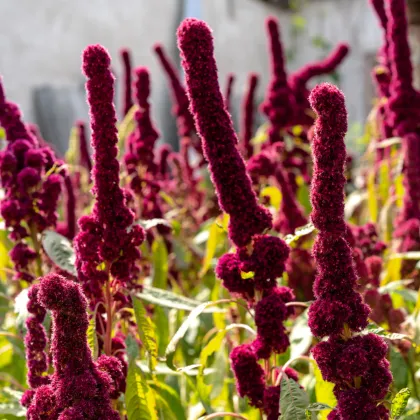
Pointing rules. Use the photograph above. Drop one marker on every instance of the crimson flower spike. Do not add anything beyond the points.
(356, 364)
(181, 108)
(213, 122)
(70, 208)
(337, 303)
(11, 120)
(379, 7)
(248, 110)
(290, 215)
(403, 106)
(127, 95)
(84, 155)
(279, 104)
(228, 92)
(299, 79)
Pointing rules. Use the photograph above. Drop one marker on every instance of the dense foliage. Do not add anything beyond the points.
(260, 275)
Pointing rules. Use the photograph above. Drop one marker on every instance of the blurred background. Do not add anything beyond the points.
(41, 44)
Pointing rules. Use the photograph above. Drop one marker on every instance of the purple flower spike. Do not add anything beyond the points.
(355, 364)
(127, 95)
(279, 105)
(249, 374)
(181, 108)
(85, 159)
(78, 385)
(228, 92)
(107, 236)
(248, 112)
(300, 78)
(233, 185)
(11, 121)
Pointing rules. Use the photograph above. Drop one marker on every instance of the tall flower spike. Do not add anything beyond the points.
(228, 172)
(403, 106)
(337, 303)
(248, 110)
(291, 215)
(142, 140)
(11, 120)
(79, 389)
(107, 236)
(36, 341)
(181, 108)
(300, 78)
(279, 104)
(229, 90)
(355, 364)
(84, 155)
(379, 7)
(127, 95)
(70, 208)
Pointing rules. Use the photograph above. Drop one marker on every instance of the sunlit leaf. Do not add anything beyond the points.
(274, 195)
(324, 392)
(92, 338)
(168, 299)
(160, 263)
(170, 350)
(215, 236)
(139, 398)
(146, 330)
(293, 400)
(399, 403)
(60, 251)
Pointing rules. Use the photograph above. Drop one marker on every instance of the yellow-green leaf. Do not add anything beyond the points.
(399, 403)
(215, 234)
(139, 398)
(160, 263)
(92, 338)
(146, 330)
(274, 195)
(324, 392)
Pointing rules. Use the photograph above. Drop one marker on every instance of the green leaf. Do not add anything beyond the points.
(171, 397)
(21, 302)
(146, 329)
(194, 314)
(300, 232)
(399, 369)
(139, 398)
(323, 391)
(399, 403)
(274, 195)
(160, 263)
(374, 329)
(60, 251)
(215, 235)
(300, 336)
(293, 400)
(388, 142)
(315, 408)
(161, 321)
(151, 223)
(92, 338)
(12, 408)
(167, 299)
(204, 390)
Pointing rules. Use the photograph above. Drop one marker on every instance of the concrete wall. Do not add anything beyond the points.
(41, 41)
